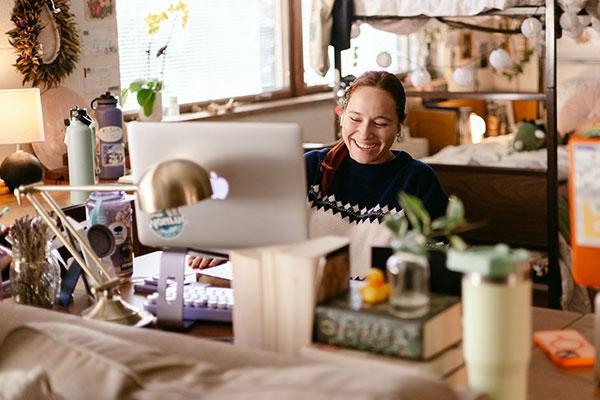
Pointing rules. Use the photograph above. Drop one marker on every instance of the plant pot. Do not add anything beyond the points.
(157, 111)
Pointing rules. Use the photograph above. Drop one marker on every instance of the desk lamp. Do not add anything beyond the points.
(21, 119)
(167, 185)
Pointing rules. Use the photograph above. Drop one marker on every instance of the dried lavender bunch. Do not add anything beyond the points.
(35, 275)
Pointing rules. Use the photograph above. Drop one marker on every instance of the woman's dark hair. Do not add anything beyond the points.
(376, 79)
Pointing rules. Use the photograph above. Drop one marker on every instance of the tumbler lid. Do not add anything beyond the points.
(489, 261)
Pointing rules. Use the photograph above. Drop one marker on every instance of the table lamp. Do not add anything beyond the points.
(21, 120)
(167, 185)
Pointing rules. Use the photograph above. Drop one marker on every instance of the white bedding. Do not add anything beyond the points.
(434, 8)
(498, 152)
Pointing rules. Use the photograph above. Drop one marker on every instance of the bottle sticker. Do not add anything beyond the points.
(110, 133)
(119, 232)
(167, 224)
(113, 155)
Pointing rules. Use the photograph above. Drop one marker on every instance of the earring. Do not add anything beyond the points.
(399, 136)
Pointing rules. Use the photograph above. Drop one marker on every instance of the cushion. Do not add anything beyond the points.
(579, 102)
(82, 363)
(20, 384)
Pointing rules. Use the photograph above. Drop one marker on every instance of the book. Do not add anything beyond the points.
(276, 289)
(443, 365)
(295, 277)
(342, 322)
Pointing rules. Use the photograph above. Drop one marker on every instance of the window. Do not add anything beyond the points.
(235, 48)
(229, 48)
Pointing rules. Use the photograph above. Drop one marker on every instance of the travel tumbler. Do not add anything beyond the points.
(496, 297)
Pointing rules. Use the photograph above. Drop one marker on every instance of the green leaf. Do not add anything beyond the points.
(146, 99)
(457, 243)
(415, 212)
(136, 85)
(124, 95)
(439, 223)
(455, 210)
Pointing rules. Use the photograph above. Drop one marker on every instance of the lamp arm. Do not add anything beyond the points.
(100, 282)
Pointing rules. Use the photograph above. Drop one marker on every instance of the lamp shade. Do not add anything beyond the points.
(172, 184)
(21, 116)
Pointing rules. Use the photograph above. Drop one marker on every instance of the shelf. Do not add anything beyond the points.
(478, 95)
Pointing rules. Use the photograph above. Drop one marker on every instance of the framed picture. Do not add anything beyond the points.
(465, 43)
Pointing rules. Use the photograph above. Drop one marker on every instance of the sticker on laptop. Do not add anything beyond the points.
(167, 224)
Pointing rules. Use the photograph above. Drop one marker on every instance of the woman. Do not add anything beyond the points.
(354, 184)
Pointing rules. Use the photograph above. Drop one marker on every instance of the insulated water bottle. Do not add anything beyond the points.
(80, 152)
(110, 151)
(497, 337)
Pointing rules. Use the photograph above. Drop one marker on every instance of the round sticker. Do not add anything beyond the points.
(110, 133)
(167, 224)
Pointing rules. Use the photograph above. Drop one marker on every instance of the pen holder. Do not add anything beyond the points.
(496, 296)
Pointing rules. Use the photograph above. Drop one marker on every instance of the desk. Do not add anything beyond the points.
(546, 380)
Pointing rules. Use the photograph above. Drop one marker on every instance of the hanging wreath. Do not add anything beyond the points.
(27, 17)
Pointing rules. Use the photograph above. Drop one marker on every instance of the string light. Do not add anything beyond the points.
(499, 58)
(531, 27)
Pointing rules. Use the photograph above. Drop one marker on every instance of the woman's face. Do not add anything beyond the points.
(370, 125)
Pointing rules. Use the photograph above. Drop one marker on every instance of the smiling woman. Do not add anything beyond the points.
(352, 186)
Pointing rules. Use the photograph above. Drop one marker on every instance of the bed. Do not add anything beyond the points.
(519, 204)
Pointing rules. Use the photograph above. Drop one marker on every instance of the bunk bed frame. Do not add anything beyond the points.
(511, 200)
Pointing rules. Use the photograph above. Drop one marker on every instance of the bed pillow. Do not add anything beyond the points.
(529, 136)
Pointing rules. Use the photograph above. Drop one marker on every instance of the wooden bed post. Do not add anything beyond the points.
(554, 278)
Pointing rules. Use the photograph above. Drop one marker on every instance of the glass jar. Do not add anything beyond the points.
(35, 282)
(408, 276)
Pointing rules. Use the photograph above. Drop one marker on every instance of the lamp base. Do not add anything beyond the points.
(21, 168)
(111, 308)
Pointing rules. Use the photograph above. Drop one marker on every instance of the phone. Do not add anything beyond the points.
(566, 348)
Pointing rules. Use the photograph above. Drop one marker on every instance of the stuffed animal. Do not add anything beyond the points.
(529, 136)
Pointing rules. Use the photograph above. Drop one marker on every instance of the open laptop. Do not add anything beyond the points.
(257, 170)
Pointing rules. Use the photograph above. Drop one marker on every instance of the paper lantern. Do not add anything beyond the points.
(420, 77)
(354, 31)
(531, 27)
(384, 59)
(462, 76)
(499, 58)
(575, 32)
(569, 21)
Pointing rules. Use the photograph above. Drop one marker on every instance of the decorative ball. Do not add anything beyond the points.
(420, 77)
(568, 21)
(499, 58)
(354, 31)
(462, 76)
(384, 59)
(575, 32)
(531, 27)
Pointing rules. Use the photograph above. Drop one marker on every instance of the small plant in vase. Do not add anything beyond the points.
(148, 89)
(414, 236)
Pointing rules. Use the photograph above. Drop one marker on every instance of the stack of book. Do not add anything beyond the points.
(349, 333)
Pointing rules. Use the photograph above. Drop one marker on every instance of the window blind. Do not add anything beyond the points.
(229, 48)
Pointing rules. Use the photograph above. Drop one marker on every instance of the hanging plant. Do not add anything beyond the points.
(27, 17)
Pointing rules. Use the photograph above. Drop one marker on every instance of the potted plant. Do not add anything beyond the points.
(416, 245)
(148, 89)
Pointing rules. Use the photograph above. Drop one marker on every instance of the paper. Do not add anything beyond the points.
(148, 265)
(223, 271)
(99, 79)
(98, 42)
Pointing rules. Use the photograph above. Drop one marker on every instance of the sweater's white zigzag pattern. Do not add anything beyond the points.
(351, 213)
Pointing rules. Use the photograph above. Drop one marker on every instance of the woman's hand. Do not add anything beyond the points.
(198, 262)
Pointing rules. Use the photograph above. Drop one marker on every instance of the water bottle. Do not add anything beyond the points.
(110, 151)
(80, 152)
(496, 297)
(113, 210)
